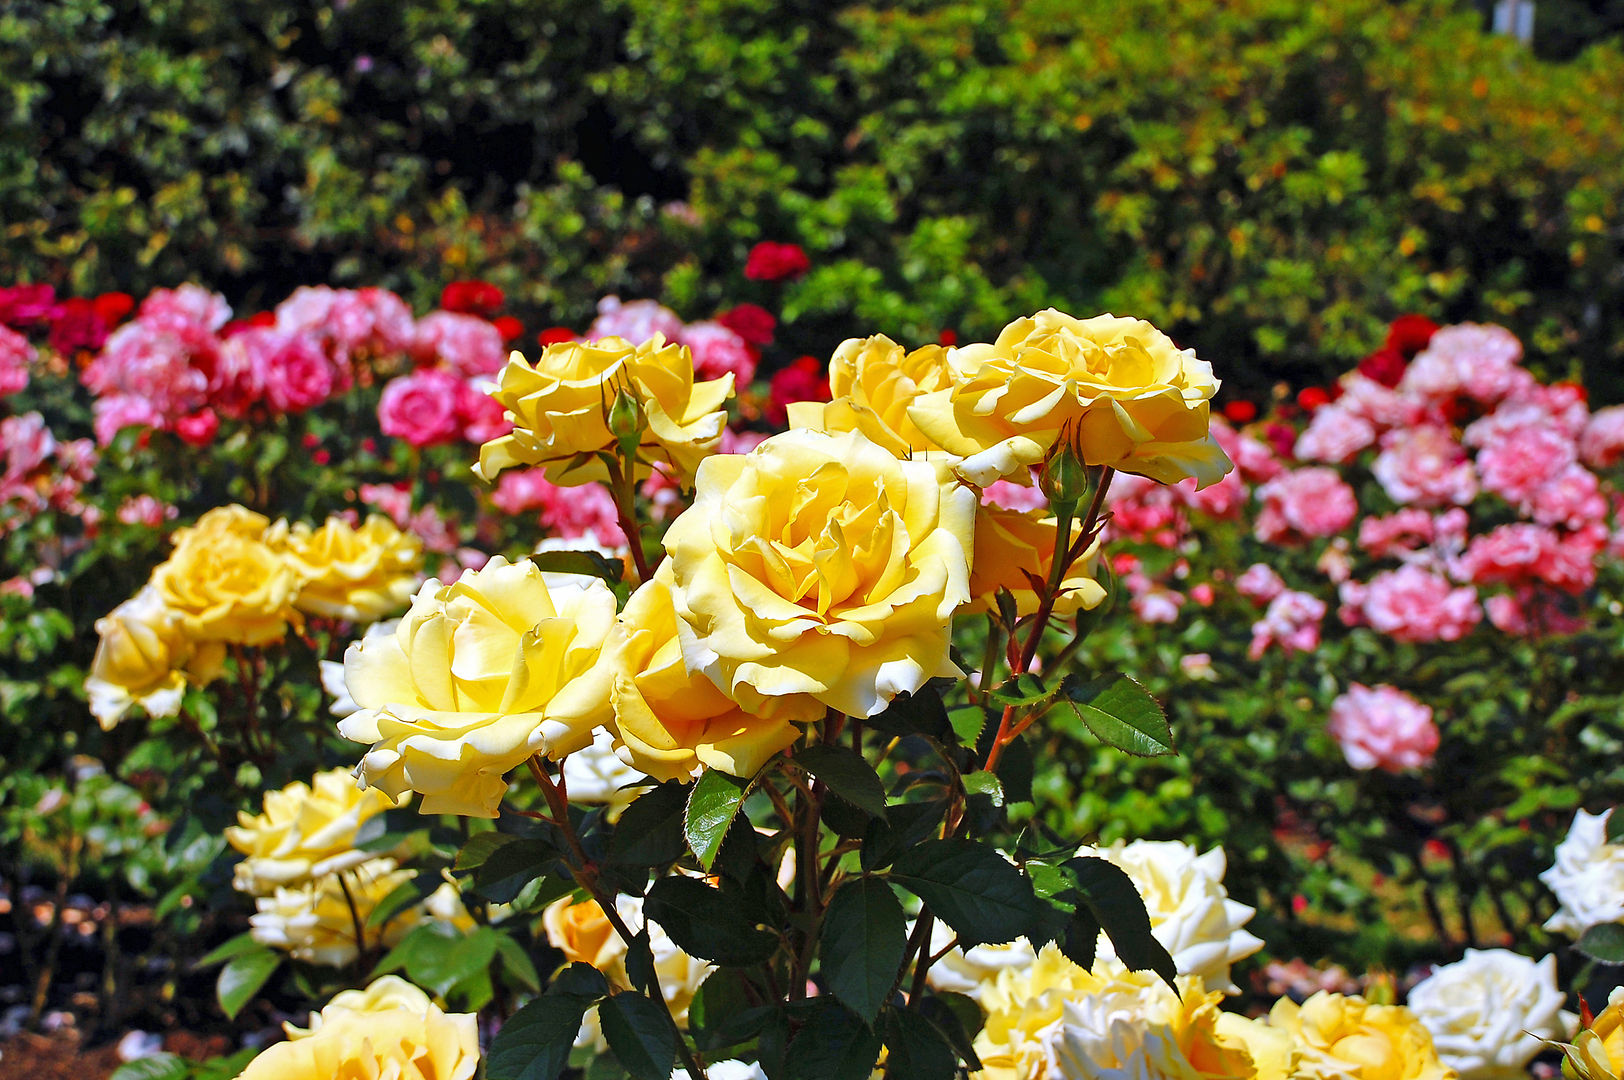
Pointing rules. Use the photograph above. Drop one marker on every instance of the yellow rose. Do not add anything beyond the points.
(582, 932)
(478, 676)
(873, 381)
(312, 921)
(560, 409)
(224, 583)
(1137, 402)
(139, 660)
(672, 724)
(344, 573)
(1013, 543)
(305, 831)
(381, 995)
(1342, 1035)
(1598, 1051)
(820, 567)
(386, 1044)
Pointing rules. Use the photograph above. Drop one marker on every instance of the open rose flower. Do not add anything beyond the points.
(821, 567)
(139, 660)
(390, 1038)
(873, 381)
(1138, 402)
(1341, 1036)
(1010, 544)
(1383, 728)
(1587, 877)
(478, 676)
(560, 409)
(348, 573)
(1489, 1012)
(304, 831)
(224, 583)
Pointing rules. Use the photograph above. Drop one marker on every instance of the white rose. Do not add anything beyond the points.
(595, 775)
(1588, 877)
(967, 971)
(1488, 1012)
(1191, 913)
(727, 1070)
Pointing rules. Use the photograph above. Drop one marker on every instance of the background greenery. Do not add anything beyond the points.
(1270, 180)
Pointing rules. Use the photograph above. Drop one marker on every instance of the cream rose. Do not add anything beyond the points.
(1342, 1036)
(382, 994)
(345, 573)
(312, 921)
(671, 724)
(1489, 1012)
(872, 382)
(224, 583)
(1137, 402)
(1011, 544)
(1587, 878)
(821, 568)
(478, 676)
(304, 831)
(139, 660)
(1191, 913)
(383, 1044)
(560, 409)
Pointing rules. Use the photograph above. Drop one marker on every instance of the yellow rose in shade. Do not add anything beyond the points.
(872, 382)
(304, 831)
(821, 568)
(560, 408)
(312, 921)
(582, 932)
(381, 995)
(360, 574)
(478, 676)
(143, 659)
(1343, 1036)
(672, 724)
(1009, 544)
(224, 583)
(1135, 400)
(404, 1043)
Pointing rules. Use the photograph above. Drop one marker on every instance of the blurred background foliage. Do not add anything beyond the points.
(1270, 180)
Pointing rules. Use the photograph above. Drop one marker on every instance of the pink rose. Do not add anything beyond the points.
(1334, 436)
(395, 501)
(482, 416)
(348, 322)
(1424, 466)
(24, 305)
(1292, 622)
(637, 321)
(15, 357)
(718, 351)
(1142, 508)
(1531, 612)
(145, 510)
(422, 407)
(1519, 463)
(1601, 444)
(1304, 504)
(1401, 533)
(1260, 584)
(1413, 603)
(187, 304)
(464, 344)
(119, 411)
(1253, 459)
(1225, 499)
(1376, 403)
(199, 428)
(1383, 728)
(1013, 496)
(1572, 498)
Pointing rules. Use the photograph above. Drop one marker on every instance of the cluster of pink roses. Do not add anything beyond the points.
(41, 472)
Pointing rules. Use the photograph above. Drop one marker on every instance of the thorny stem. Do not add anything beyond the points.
(586, 872)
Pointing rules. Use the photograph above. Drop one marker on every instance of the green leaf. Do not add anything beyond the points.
(639, 1032)
(919, 713)
(649, 832)
(242, 977)
(985, 784)
(403, 895)
(585, 562)
(156, 1067)
(517, 962)
(915, 1048)
(721, 1014)
(704, 925)
(832, 1044)
(959, 1019)
(640, 962)
(580, 980)
(845, 773)
(716, 798)
(1615, 827)
(511, 867)
(443, 960)
(905, 825)
(242, 943)
(535, 1042)
(1081, 938)
(1603, 943)
(1025, 689)
(968, 721)
(863, 939)
(479, 848)
(1120, 713)
(970, 887)
(1111, 898)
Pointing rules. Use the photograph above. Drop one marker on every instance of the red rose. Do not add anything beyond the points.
(947, 338)
(804, 380)
(508, 326)
(1409, 334)
(472, 298)
(1313, 397)
(775, 262)
(554, 335)
(22, 305)
(77, 325)
(199, 428)
(253, 322)
(753, 323)
(1240, 412)
(114, 306)
(1385, 365)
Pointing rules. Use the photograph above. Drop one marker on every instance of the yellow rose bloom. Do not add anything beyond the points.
(820, 567)
(224, 583)
(1009, 544)
(478, 676)
(385, 1044)
(672, 724)
(312, 921)
(381, 995)
(1137, 402)
(1598, 1051)
(1342, 1035)
(560, 409)
(872, 382)
(360, 574)
(304, 831)
(139, 660)
(582, 932)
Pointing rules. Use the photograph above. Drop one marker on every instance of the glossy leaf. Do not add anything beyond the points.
(1112, 899)
(845, 773)
(703, 924)
(1121, 713)
(242, 978)
(715, 799)
(970, 887)
(640, 1035)
(863, 939)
